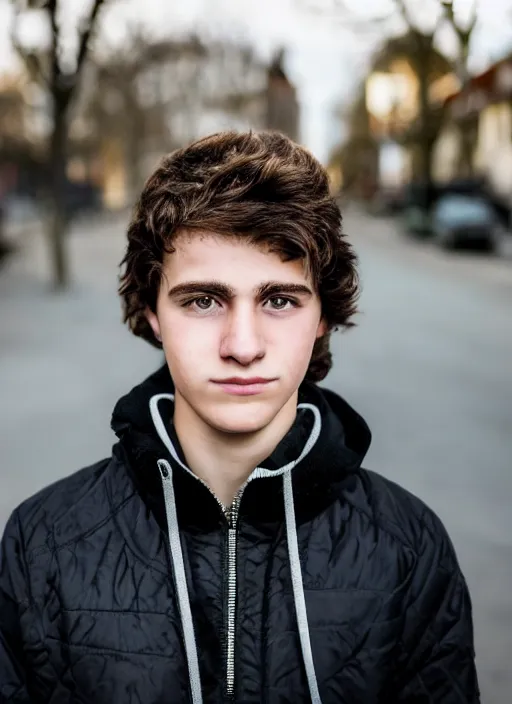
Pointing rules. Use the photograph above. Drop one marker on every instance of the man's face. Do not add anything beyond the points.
(229, 313)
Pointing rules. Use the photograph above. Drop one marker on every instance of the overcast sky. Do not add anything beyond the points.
(324, 59)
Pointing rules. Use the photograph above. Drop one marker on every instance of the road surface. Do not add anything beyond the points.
(429, 366)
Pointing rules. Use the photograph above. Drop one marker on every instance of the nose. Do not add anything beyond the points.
(242, 340)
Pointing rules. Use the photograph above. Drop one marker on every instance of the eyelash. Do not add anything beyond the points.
(292, 301)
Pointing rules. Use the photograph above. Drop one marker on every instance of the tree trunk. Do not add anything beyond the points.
(426, 159)
(134, 149)
(465, 165)
(57, 221)
(426, 145)
(466, 151)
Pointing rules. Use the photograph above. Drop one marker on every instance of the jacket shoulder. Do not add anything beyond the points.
(405, 516)
(41, 517)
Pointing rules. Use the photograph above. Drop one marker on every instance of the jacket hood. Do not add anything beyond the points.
(326, 443)
(342, 444)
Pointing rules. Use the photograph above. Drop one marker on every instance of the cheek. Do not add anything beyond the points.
(295, 339)
(185, 342)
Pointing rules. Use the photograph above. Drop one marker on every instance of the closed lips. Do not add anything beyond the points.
(243, 382)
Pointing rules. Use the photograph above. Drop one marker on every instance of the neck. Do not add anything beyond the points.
(224, 460)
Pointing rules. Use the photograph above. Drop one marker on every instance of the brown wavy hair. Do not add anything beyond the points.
(259, 186)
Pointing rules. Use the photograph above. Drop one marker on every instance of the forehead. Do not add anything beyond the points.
(203, 255)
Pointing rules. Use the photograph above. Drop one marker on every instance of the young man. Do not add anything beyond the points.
(232, 549)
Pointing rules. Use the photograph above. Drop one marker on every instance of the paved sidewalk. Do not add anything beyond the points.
(64, 360)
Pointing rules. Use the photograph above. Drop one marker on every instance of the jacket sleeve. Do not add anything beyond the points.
(438, 662)
(13, 600)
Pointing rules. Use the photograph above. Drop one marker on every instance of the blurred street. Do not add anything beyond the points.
(430, 368)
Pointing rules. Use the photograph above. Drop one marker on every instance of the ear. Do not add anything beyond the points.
(322, 329)
(153, 321)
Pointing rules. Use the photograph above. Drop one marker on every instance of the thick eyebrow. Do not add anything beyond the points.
(221, 290)
(211, 288)
(277, 288)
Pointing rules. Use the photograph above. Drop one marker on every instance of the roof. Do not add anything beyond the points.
(492, 85)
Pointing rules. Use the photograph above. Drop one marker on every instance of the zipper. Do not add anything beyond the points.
(232, 517)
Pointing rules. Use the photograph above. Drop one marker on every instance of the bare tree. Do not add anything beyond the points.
(423, 53)
(421, 60)
(155, 96)
(464, 33)
(60, 82)
(117, 110)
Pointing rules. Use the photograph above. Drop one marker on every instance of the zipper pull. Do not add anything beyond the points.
(165, 470)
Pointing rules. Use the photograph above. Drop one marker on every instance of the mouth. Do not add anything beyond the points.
(240, 386)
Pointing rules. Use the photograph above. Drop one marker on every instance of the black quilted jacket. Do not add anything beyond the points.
(127, 583)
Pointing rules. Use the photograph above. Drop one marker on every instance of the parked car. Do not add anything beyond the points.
(421, 199)
(464, 220)
(418, 200)
(4, 246)
(388, 201)
(81, 198)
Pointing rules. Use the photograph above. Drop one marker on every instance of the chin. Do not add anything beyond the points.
(239, 420)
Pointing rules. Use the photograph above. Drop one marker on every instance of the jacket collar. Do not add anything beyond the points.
(343, 442)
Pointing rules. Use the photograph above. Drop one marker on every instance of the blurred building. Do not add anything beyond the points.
(414, 120)
(353, 166)
(136, 105)
(12, 110)
(21, 154)
(157, 97)
(282, 107)
(484, 109)
(397, 118)
(25, 130)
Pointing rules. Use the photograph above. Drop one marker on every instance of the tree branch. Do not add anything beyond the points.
(85, 35)
(463, 34)
(404, 11)
(31, 60)
(55, 72)
(375, 20)
(348, 17)
(439, 22)
(473, 17)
